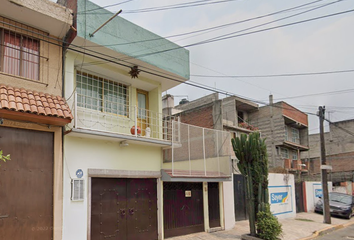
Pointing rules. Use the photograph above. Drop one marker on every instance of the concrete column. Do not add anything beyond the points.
(206, 207)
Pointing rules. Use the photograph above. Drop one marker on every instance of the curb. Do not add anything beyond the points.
(328, 230)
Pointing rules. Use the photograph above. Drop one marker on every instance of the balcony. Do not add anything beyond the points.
(153, 128)
(296, 165)
(192, 152)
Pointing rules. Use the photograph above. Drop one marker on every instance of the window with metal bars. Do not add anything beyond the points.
(19, 54)
(101, 94)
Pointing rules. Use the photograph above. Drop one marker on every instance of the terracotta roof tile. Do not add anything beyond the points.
(23, 100)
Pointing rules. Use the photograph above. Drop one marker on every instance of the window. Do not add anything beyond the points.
(100, 94)
(284, 153)
(294, 155)
(19, 55)
(286, 133)
(295, 135)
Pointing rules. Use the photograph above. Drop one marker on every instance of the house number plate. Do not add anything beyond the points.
(188, 193)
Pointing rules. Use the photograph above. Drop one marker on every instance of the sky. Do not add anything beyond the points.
(323, 45)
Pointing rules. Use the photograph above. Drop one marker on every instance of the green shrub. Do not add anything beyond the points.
(268, 227)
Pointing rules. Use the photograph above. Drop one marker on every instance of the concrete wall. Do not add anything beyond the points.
(313, 192)
(229, 205)
(282, 195)
(270, 121)
(81, 153)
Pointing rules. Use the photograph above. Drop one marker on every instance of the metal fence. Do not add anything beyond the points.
(198, 152)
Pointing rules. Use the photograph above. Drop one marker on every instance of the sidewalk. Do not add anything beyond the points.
(304, 226)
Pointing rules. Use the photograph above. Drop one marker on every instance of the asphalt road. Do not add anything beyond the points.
(341, 234)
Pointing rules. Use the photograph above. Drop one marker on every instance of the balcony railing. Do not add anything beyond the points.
(295, 165)
(191, 151)
(150, 124)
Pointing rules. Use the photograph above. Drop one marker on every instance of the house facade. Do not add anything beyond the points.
(126, 173)
(339, 154)
(285, 129)
(32, 114)
(230, 115)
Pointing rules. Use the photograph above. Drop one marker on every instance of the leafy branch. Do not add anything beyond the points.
(3, 157)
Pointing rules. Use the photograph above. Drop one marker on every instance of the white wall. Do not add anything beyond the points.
(282, 195)
(229, 204)
(82, 153)
(313, 191)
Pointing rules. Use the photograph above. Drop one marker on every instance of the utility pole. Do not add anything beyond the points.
(325, 197)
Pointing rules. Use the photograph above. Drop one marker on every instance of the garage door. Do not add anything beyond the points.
(124, 209)
(182, 208)
(26, 185)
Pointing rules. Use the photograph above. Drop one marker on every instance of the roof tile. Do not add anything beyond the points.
(20, 99)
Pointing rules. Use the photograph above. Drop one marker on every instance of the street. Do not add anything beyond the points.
(345, 233)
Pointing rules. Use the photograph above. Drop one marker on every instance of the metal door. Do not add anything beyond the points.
(182, 208)
(123, 209)
(299, 197)
(240, 197)
(141, 209)
(26, 185)
(214, 204)
(108, 208)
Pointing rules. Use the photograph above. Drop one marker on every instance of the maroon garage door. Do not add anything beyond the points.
(183, 213)
(26, 185)
(124, 209)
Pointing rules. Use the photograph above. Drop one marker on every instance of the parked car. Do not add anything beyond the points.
(340, 204)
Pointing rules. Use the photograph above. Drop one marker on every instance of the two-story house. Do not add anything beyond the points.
(32, 113)
(125, 171)
(285, 129)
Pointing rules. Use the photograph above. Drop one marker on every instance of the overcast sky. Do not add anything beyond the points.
(318, 46)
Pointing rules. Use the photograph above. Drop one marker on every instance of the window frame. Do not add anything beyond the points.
(286, 151)
(22, 60)
(102, 103)
(295, 135)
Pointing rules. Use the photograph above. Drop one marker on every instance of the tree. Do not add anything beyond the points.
(251, 151)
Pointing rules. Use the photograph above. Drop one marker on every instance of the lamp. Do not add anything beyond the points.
(124, 144)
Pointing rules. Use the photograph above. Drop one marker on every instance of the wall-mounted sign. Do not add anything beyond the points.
(279, 197)
(318, 193)
(79, 173)
(188, 193)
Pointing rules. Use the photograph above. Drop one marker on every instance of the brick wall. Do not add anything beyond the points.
(340, 162)
(202, 117)
(294, 114)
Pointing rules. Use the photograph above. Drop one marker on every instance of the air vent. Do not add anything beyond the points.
(77, 190)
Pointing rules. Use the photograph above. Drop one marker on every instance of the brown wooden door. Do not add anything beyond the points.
(26, 185)
(182, 215)
(214, 204)
(124, 209)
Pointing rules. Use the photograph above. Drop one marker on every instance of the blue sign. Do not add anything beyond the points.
(279, 197)
(79, 173)
(318, 193)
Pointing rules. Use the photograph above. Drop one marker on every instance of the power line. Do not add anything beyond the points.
(213, 28)
(162, 8)
(202, 42)
(107, 6)
(244, 34)
(273, 75)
